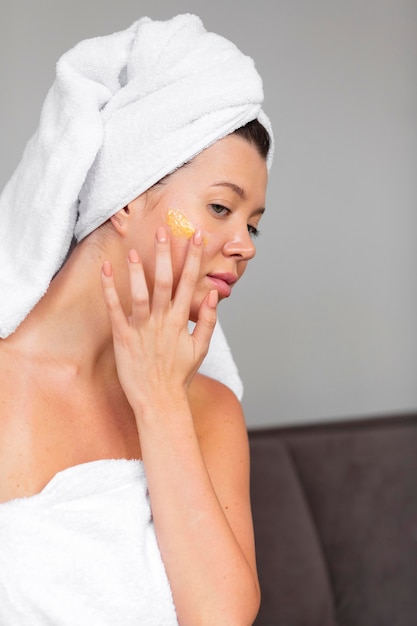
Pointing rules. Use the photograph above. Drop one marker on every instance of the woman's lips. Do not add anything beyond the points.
(223, 283)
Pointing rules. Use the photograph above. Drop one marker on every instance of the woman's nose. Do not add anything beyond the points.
(240, 245)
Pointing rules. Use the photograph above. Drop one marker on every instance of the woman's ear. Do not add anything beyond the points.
(131, 212)
(120, 220)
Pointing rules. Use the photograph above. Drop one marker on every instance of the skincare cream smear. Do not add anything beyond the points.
(180, 225)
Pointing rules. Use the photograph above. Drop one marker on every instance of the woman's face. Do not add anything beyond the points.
(222, 191)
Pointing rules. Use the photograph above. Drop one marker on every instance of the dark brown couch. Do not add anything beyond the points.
(335, 515)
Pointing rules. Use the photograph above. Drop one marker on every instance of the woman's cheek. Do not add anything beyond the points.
(180, 226)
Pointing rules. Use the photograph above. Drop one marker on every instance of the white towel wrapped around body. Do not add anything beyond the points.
(84, 552)
(124, 111)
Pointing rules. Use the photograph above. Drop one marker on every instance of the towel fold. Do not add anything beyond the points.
(124, 111)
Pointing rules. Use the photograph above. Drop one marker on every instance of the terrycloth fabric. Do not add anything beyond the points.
(84, 552)
(124, 111)
(219, 363)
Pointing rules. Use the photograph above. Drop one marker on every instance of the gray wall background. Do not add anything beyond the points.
(324, 325)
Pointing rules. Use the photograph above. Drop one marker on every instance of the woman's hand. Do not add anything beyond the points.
(153, 348)
(193, 441)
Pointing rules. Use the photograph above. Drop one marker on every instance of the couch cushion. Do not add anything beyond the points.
(292, 571)
(357, 495)
(361, 483)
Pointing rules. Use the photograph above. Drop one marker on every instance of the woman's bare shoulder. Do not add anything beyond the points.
(212, 401)
(218, 418)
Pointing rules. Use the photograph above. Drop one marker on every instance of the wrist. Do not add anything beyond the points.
(163, 405)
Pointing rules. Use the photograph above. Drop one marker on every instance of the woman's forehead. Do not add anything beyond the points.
(232, 160)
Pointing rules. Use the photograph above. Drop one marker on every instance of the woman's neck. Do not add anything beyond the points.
(70, 324)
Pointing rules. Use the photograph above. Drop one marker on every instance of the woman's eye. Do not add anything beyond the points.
(219, 209)
(253, 231)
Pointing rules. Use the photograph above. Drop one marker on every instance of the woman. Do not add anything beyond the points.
(104, 415)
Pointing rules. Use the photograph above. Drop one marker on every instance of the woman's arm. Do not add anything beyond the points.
(200, 501)
(193, 442)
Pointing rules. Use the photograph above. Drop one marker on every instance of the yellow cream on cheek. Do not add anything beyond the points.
(180, 225)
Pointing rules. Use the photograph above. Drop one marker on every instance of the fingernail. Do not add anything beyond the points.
(133, 256)
(213, 298)
(161, 235)
(198, 236)
(107, 269)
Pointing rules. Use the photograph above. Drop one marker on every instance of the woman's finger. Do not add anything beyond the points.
(162, 291)
(111, 298)
(190, 273)
(138, 288)
(207, 317)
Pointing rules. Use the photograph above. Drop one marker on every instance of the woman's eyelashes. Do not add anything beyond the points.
(253, 231)
(221, 211)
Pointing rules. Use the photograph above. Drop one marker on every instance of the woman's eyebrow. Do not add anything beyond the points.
(238, 190)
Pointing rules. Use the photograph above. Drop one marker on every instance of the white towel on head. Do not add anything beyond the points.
(124, 111)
